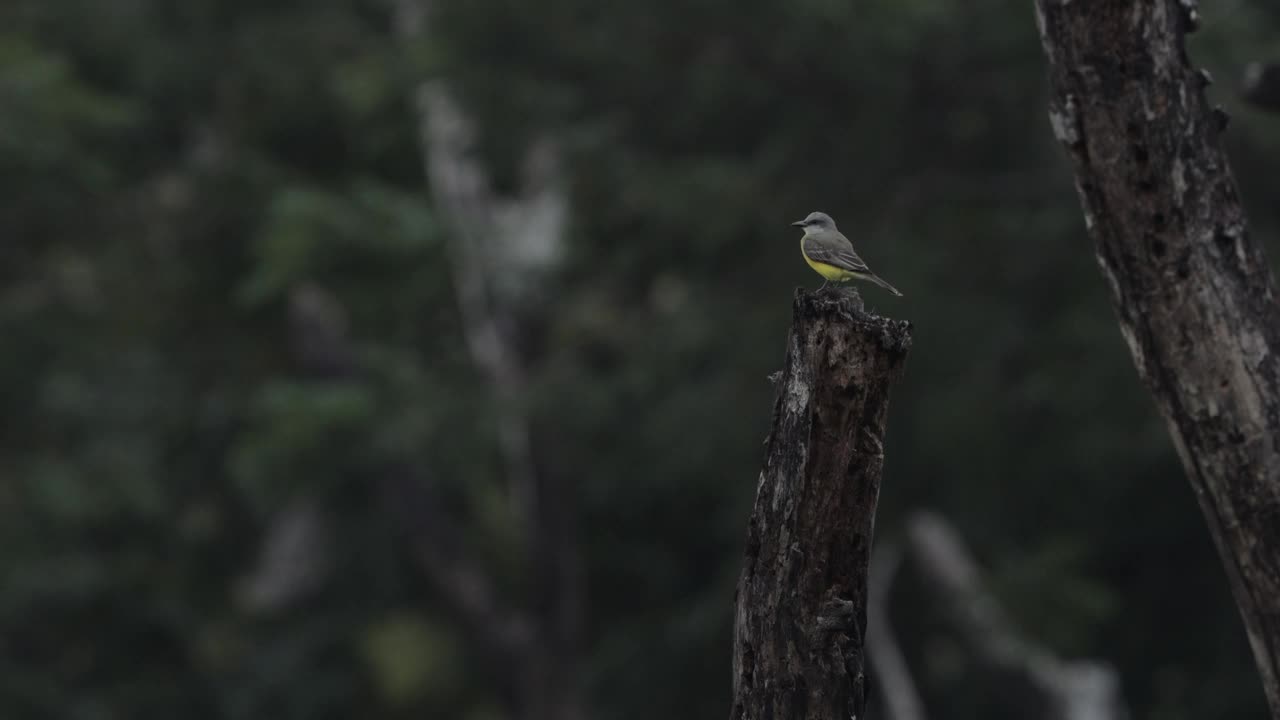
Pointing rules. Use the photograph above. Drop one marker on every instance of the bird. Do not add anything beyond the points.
(830, 253)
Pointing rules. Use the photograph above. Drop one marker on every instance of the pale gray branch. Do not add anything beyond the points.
(292, 561)
(1044, 686)
(1262, 86)
(898, 693)
(499, 248)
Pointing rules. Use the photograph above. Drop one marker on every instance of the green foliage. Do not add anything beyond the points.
(411, 659)
(175, 174)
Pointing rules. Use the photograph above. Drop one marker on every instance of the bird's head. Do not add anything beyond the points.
(816, 221)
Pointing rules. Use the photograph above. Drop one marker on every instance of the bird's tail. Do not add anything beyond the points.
(883, 283)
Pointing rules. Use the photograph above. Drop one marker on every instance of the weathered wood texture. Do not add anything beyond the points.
(802, 597)
(1195, 298)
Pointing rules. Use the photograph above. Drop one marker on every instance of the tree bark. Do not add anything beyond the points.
(1194, 296)
(801, 601)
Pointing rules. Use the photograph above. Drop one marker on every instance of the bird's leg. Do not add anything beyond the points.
(823, 285)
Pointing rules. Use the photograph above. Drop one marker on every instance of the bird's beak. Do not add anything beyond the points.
(798, 223)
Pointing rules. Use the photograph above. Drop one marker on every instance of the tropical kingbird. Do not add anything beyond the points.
(831, 254)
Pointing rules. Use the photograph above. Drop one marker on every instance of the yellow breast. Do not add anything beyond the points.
(830, 272)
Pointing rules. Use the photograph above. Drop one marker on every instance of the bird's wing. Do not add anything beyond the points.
(834, 249)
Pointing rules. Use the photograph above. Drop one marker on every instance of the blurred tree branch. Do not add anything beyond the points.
(460, 189)
(898, 693)
(292, 561)
(1194, 295)
(1039, 684)
(1262, 86)
(493, 239)
(800, 620)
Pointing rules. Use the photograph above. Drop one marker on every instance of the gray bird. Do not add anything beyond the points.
(831, 254)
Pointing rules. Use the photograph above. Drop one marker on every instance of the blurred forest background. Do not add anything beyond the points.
(255, 465)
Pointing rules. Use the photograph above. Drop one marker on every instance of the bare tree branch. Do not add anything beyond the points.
(1193, 293)
(293, 559)
(460, 189)
(489, 238)
(1042, 686)
(1262, 86)
(492, 239)
(898, 692)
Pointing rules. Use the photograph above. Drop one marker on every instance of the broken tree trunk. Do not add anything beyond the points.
(1194, 295)
(801, 602)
